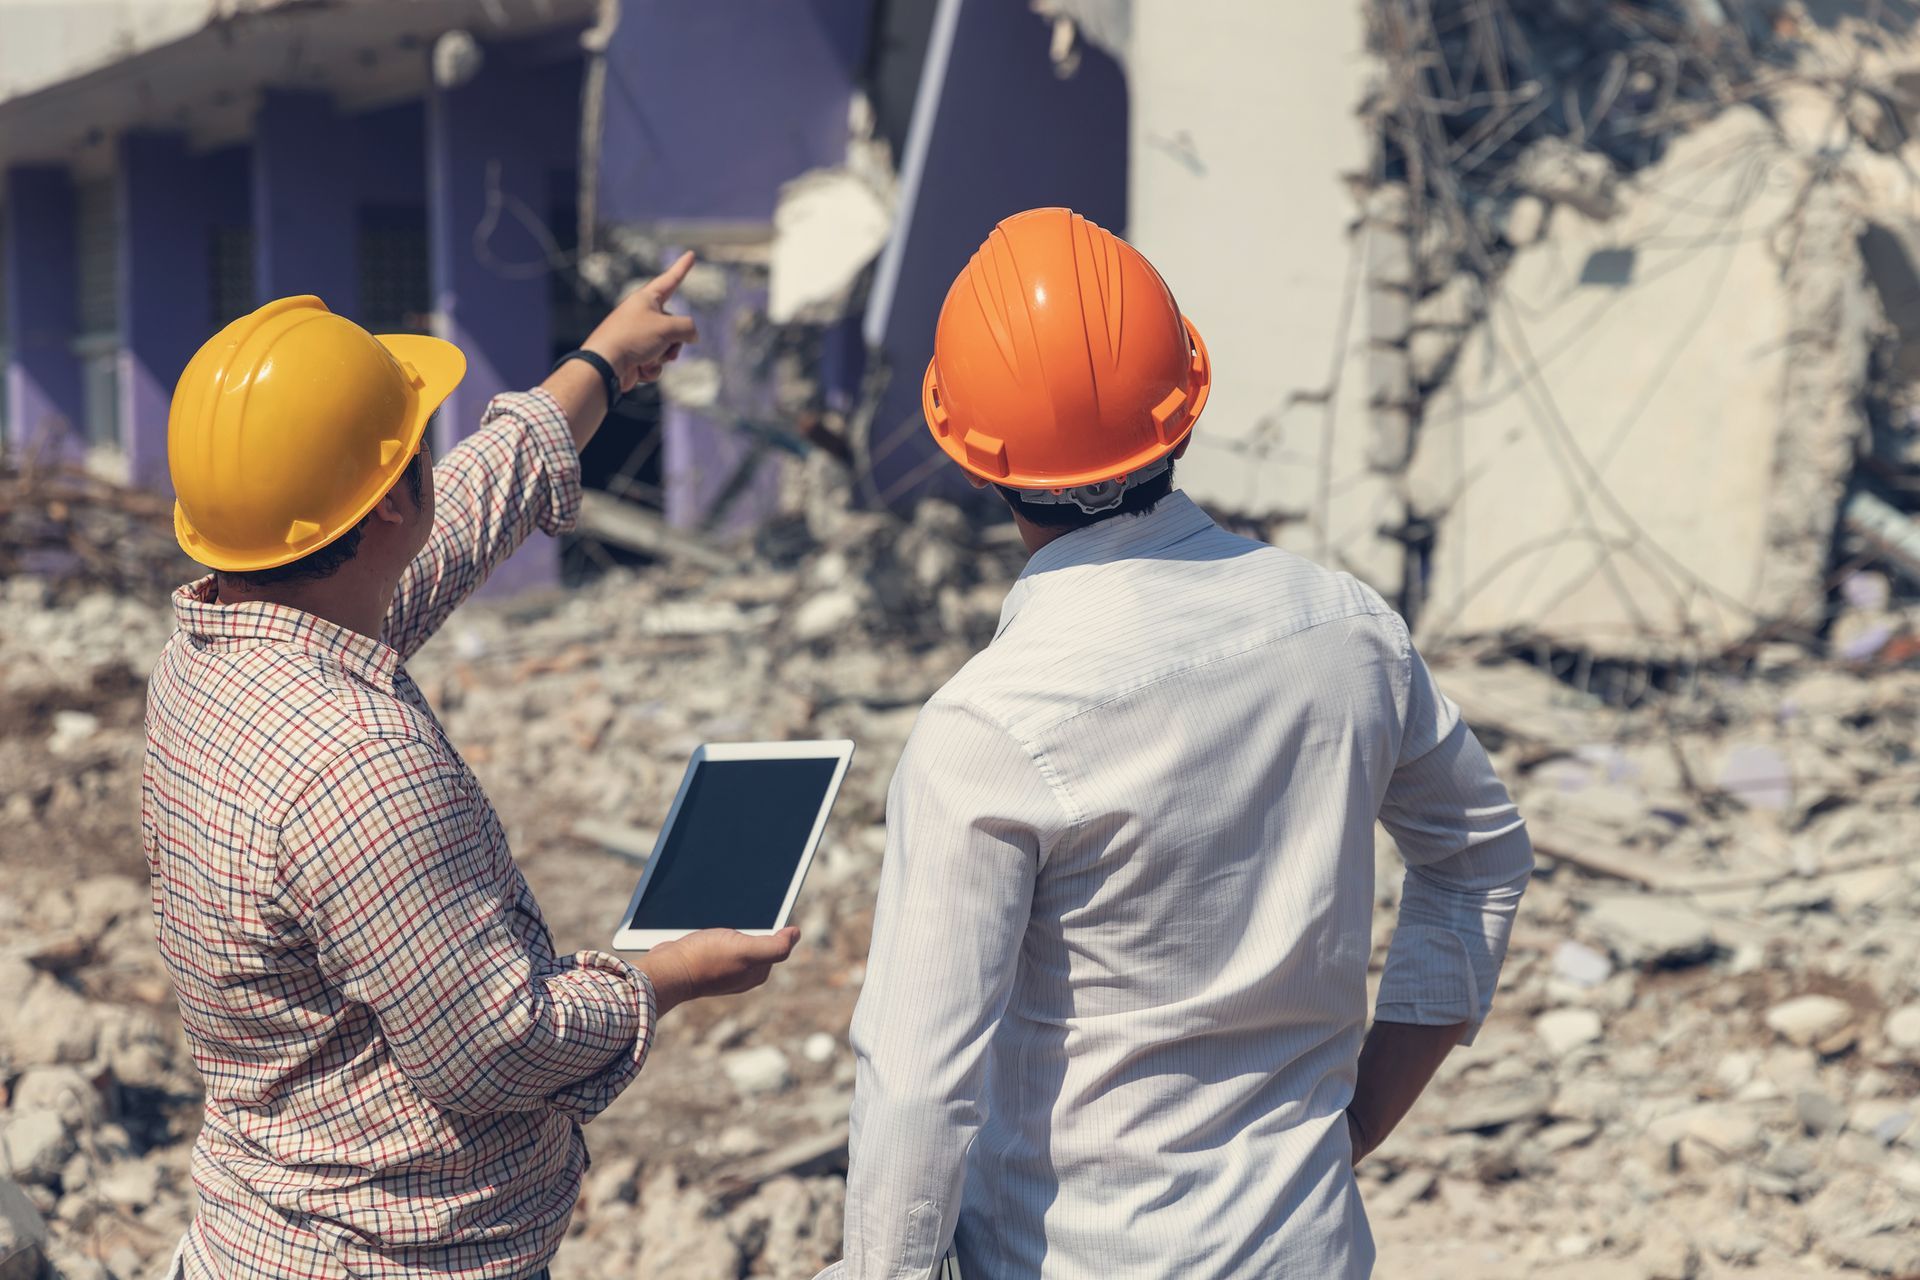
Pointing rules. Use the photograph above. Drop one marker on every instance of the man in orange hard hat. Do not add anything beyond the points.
(397, 1063)
(1114, 1023)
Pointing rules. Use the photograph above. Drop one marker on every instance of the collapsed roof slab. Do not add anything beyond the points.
(1644, 446)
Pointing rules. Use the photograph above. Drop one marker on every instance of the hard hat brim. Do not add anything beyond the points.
(440, 366)
(1199, 384)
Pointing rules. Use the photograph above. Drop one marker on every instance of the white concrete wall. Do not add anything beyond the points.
(1243, 133)
(44, 42)
(1602, 461)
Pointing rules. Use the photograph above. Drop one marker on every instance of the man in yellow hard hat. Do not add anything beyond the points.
(397, 1063)
(1114, 1023)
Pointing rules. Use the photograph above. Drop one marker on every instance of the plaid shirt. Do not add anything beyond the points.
(397, 1065)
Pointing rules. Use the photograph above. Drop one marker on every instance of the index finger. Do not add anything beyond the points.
(663, 285)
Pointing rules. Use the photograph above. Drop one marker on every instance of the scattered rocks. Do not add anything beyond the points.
(762, 1069)
(34, 1145)
(1902, 1030)
(23, 1234)
(1563, 1030)
(1648, 931)
(1497, 1103)
(1581, 965)
(1809, 1019)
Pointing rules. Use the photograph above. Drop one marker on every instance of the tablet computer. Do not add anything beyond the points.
(737, 842)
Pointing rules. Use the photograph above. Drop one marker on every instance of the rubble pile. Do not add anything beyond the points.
(1706, 1056)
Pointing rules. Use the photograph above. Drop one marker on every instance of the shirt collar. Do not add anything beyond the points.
(259, 622)
(1173, 519)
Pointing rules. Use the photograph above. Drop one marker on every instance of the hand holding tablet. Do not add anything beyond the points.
(736, 844)
(713, 962)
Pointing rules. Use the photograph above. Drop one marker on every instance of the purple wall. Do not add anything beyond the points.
(995, 131)
(303, 201)
(165, 228)
(710, 107)
(520, 122)
(43, 375)
(703, 454)
(390, 155)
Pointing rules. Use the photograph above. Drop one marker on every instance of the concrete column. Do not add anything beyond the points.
(43, 374)
(165, 240)
(303, 201)
(508, 128)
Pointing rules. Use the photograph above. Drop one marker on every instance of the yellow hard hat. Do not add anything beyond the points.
(290, 424)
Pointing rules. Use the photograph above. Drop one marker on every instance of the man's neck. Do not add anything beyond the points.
(342, 599)
(1034, 536)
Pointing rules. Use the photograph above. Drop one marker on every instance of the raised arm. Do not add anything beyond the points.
(521, 470)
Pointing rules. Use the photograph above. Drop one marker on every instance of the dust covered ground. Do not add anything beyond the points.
(1703, 1061)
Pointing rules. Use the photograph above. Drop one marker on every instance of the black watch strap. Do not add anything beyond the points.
(600, 365)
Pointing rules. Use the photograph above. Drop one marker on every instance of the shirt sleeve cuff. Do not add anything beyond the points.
(551, 448)
(591, 1096)
(1430, 981)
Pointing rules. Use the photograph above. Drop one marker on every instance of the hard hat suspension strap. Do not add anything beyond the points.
(1096, 498)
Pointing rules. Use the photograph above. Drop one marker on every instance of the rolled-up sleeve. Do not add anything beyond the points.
(1468, 861)
(969, 819)
(411, 910)
(517, 473)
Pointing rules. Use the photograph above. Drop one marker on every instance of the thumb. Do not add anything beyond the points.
(771, 949)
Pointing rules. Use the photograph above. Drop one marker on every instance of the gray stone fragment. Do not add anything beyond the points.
(23, 1234)
(1648, 931)
(33, 1147)
(1497, 1103)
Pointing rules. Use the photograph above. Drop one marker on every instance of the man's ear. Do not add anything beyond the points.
(976, 481)
(387, 510)
(1180, 449)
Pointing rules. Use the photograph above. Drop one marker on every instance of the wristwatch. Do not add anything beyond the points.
(599, 364)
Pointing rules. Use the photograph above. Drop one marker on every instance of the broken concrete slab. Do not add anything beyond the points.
(829, 226)
(1679, 517)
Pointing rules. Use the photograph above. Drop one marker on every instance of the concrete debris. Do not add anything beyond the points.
(1648, 931)
(828, 228)
(34, 1145)
(1652, 1086)
(23, 1234)
(762, 1069)
(1564, 1030)
(1561, 172)
(1809, 1020)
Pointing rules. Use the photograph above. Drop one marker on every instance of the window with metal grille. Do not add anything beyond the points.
(100, 397)
(98, 241)
(230, 274)
(394, 293)
(6, 435)
(97, 244)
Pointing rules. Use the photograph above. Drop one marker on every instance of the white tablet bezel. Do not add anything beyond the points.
(839, 750)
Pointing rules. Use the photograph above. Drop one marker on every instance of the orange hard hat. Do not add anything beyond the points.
(1061, 361)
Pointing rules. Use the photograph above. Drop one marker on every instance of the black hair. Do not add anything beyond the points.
(324, 562)
(1137, 501)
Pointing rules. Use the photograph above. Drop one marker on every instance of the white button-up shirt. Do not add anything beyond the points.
(1119, 972)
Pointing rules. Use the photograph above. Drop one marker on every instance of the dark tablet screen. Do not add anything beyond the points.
(731, 854)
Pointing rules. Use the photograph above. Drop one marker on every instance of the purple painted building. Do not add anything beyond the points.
(430, 167)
